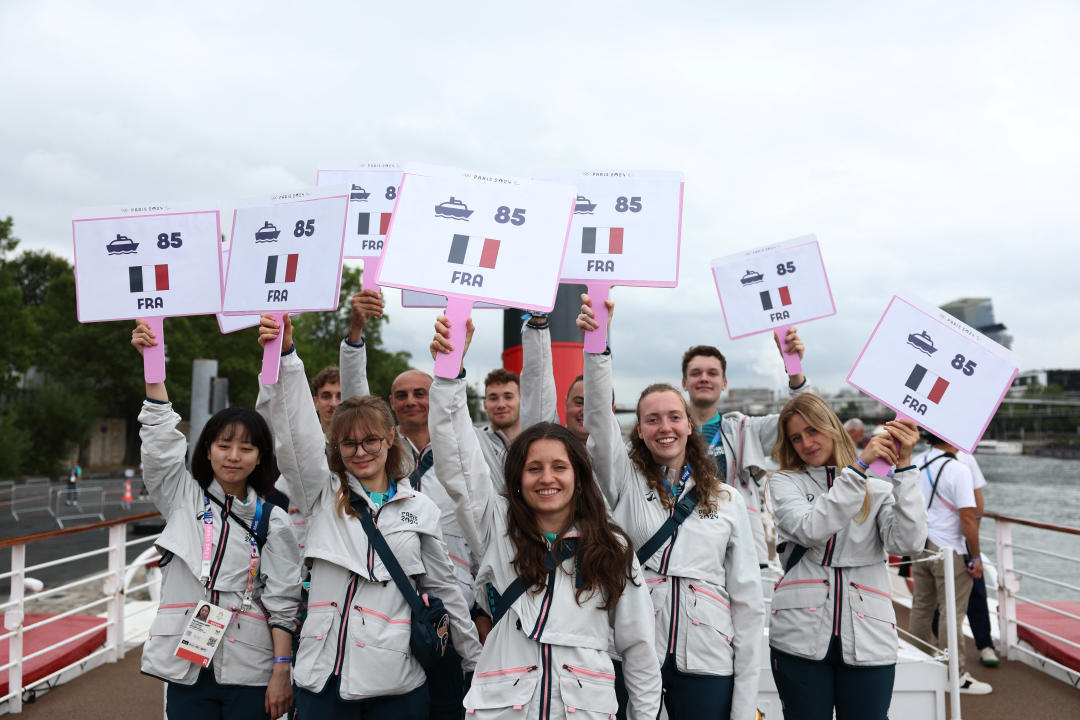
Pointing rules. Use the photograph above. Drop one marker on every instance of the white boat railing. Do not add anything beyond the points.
(112, 597)
(1008, 594)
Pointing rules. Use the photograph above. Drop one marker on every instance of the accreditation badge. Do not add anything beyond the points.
(203, 634)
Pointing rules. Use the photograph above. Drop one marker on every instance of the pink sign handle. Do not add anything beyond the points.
(448, 365)
(596, 340)
(792, 363)
(881, 468)
(370, 278)
(153, 358)
(272, 355)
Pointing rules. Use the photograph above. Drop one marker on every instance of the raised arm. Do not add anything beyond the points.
(299, 443)
(352, 357)
(611, 464)
(539, 402)
(459, 461)
(902, 522)
(743, 584)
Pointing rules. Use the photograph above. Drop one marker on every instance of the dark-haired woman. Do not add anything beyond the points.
(704, 580)
(222, 544)
(354, 659)
(563, 576)
(833, 629)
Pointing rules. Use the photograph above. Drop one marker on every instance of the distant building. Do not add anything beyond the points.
(979, 314)
(1067, 380)
(751, 401)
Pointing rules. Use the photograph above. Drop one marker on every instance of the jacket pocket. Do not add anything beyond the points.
(316, 652)
(709, 631)
(798, 616)
(502, 693)
(377, 640)
(159, 651)
(873, 622)
(588, 694)
(248, 652)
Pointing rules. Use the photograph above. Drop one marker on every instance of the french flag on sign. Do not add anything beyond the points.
(148, 278)
(781, 295)
(372, 223)
(474, 251)
(925, 383)
(281, 268)
(601, 241)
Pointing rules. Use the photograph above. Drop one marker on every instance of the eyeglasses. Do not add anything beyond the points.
(372, 444)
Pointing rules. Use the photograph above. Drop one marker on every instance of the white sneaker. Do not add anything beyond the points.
(971, 686)
(988, 657)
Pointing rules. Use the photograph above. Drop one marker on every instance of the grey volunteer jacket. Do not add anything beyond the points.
(358, 623)
(246, 655)
(841, 585)
(706, 586)
(548, 654)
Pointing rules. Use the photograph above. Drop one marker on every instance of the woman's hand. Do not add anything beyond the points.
(906, 433)
(279, 697)
(441, 342)
(880, 447)
(269, 329)
(364, 305)
(142, 336)
(586, 319)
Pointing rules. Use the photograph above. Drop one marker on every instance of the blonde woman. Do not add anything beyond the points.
(832, 629)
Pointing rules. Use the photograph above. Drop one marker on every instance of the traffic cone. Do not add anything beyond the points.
(128, 499)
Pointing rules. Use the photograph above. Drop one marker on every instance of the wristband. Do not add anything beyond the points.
(971, 562)
(283, 659)
(860, 463)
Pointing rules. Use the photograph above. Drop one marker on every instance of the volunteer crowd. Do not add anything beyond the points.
(384, 558)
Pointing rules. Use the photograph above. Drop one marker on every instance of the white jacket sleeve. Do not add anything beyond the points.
(352, 364)
(459, 462)
(743, 584)
(538, 397)
(611, 464)
(164, 457)
(810, 523)
(439, 580)
(299, 442)
(902, 519)
(279, 569)
(633, 624)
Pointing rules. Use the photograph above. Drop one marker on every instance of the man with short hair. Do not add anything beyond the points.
(326, 393)
(951, 527)
(502, 402)
(739, 443)
(575, 409)
(856, 431)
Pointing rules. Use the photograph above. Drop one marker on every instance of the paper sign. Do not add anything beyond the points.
(373, 189)
(416, 299)
(203, 633)
(231, 323)
(285, 253)
(928, 366)
(478, 236)
(627, 226)
(146, 261)
(773, 286)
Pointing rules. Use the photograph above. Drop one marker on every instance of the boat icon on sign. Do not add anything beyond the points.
(267, 233)
(358, 193)
(454, 209)
(751, 277)
(582, 205)
(922, 343)
(122, 245)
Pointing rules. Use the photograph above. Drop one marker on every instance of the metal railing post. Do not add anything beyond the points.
(954, 645)
(1006, 589)
(13, 620)
(114, 587)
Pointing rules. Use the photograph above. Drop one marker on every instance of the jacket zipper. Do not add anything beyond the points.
(831, 544)
(545, 681)
(215, 568)
(519, 671)
(712, 595)
(859, 588)
(799, 582)
(673, 629)
(838, 602)
(343, 631)
(368, 611)
(577, 671)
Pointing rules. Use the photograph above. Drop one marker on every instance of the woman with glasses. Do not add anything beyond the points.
(354, 657)
(223, 546)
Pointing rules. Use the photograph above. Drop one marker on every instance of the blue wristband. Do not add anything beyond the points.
(860, 463)
(283, 659)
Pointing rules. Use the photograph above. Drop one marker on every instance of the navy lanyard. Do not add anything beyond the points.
(684, 476)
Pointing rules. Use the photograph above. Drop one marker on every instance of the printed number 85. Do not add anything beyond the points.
(967, 368)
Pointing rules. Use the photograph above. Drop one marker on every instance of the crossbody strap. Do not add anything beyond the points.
(564, 549)
(262, 530)
(934, 481)
(385, 553)
(682, 510)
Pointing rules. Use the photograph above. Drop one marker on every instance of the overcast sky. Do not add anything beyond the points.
(933, 148)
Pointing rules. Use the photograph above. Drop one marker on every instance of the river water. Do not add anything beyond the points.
(1041, 489)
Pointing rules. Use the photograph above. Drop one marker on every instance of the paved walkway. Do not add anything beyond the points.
(110, 692)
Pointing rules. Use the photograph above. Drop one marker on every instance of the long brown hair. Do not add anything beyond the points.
(709, 487)
(369, 414)
(818, 415)
(605, 556)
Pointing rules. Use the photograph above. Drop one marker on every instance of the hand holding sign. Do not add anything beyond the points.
(476, 237)
(934, 369)
(773, 287)
(626, 230)
(148, 261)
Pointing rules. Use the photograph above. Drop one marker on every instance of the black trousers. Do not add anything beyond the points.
(446, 687)
(810, 689)
(328, 705)
(207, 700)
(696, 697)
